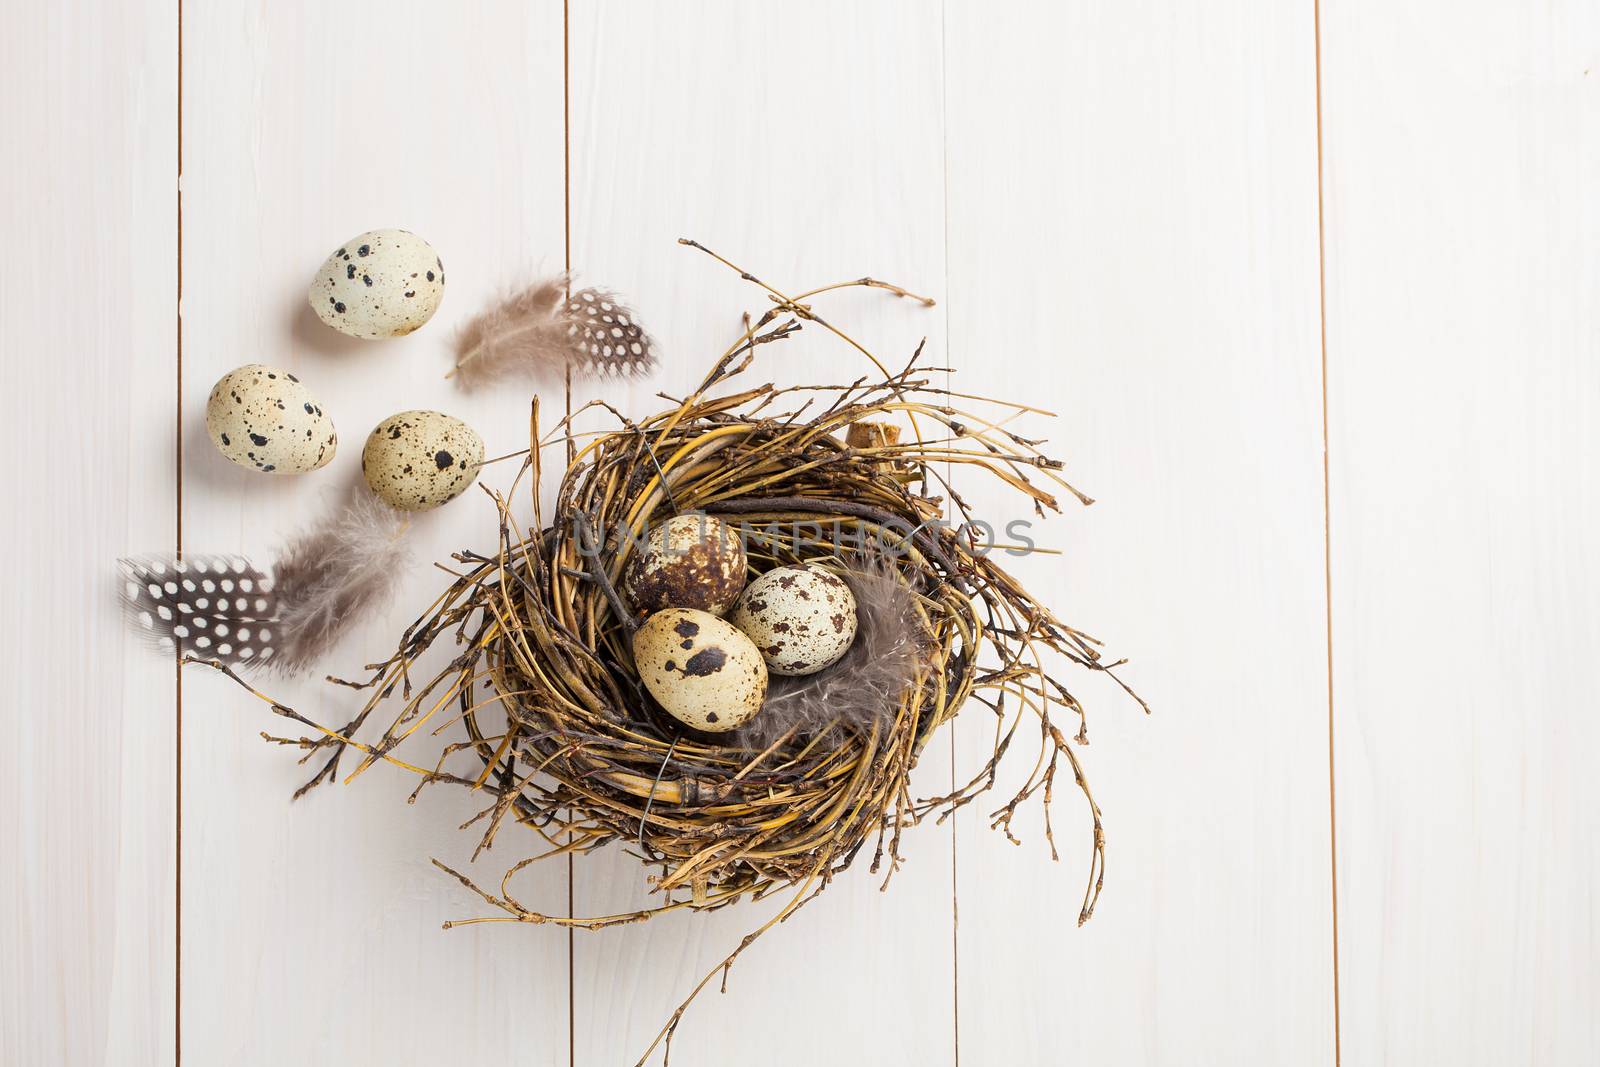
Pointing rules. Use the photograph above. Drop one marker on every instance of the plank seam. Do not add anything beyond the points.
(1327, 530)
(177, 669)
(566, 239)
(955, 879)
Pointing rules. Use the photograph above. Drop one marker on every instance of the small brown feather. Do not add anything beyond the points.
(544, 332)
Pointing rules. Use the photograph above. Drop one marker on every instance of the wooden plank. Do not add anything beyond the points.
(312, 930)
(88, 292)
(809, 150)
(1133, 244)
(1463, 253)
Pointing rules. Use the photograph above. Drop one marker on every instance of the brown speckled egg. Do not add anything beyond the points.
(384, 283)
(801, 618)
(702, 671)
(417, 460)
(689, 561)
(263, 418)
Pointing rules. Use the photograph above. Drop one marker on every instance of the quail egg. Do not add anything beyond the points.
(701, 670)
(264, 418)
(417, 460)
(689, 561)
(801, 618)
(385, 283)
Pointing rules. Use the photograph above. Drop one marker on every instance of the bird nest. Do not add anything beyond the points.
(565, 740)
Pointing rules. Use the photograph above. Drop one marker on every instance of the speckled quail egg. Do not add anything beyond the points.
(263, 418)
(701, 670)
(689, 561)
(417, 460)
(801, 618)
(385, 283)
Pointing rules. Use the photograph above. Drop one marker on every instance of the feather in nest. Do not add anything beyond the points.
(545, 330)
(867, 683)
(326, 579)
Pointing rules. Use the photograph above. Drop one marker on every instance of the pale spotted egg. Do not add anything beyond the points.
(265, 419)
(385, 283)
(417, 460)
(801, 618)
(702, 671)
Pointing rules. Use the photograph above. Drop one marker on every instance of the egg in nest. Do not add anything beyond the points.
(701, 670)
(689, 561)
(801, 618)
(417, 460)
(264, 418)
(383, 283)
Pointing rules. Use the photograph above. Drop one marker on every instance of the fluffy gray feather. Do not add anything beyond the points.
(332, 575)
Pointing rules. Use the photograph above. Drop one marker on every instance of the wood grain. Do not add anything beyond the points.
(1117, 207)
(1463, 258)
(809, 151)
(87, 301)
(1133, 245)
(312, 930)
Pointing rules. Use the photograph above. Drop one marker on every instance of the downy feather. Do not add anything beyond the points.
(332, 575)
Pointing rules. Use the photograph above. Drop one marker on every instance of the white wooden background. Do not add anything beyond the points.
(1313, 292)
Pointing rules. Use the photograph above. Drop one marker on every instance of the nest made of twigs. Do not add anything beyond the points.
(569, 743)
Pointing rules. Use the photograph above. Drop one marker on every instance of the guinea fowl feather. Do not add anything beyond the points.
(542, 331)
(209, 607)
(225, 608)
(866, 685)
